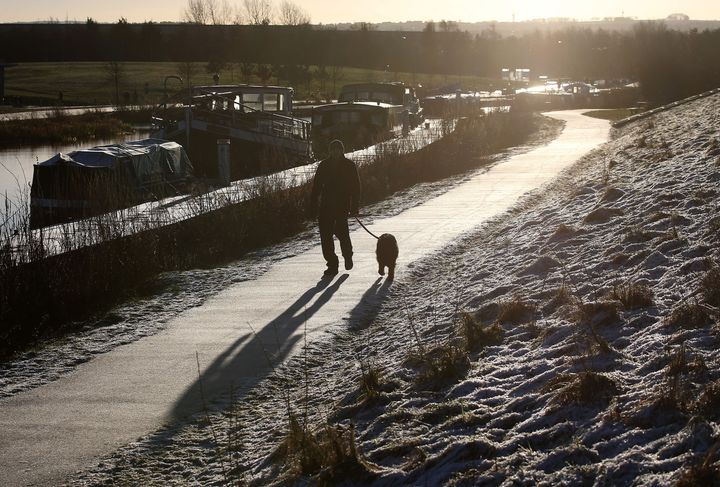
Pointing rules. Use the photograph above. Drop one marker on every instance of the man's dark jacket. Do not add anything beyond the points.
(337, 186)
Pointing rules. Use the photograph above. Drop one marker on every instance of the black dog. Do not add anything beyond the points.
(387, 254)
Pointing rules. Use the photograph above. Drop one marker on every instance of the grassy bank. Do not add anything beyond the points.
(43, 298)
(61, 129)
(142, 83)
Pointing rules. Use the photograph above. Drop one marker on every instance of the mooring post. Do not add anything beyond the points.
(223, 149)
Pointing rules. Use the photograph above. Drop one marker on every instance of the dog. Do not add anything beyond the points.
(387, 254)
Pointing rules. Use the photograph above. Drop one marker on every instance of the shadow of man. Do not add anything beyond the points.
(238, 368)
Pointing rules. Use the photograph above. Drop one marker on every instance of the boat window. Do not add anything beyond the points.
(252, 101)
(347, 117)
(382, 97)
(281, 102)
(270, 102)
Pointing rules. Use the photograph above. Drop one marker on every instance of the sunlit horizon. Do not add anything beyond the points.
(326, 12)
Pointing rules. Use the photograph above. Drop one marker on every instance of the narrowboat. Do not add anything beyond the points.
(257, 120)
(366, 114)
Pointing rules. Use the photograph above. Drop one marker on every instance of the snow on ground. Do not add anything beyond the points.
(165, 297)
(595, 358)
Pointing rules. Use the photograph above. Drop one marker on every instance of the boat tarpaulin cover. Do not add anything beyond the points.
(144, 162)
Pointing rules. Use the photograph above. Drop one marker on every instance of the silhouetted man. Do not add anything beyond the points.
(337, 186)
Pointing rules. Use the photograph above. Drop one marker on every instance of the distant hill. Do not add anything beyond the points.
(543, 25)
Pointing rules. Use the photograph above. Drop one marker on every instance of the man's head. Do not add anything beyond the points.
(336, 149)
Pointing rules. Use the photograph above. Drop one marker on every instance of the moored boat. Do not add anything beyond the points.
(366, 113)
(92, 181)
(257, 120)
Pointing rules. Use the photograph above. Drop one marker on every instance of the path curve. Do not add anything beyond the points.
(55, 430)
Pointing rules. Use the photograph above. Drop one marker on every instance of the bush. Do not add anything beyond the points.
(632, 295)
(476, 336)
(516, 311)
(689, 316)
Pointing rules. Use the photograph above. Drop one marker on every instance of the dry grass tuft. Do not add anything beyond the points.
(632, 295)
(708, 403)
(710, 286)
(583, 388)
(370, 380)
(562, 232)
(702, 473)
(597, 313)
(516, 311)
(440, 366)
(329, 453)
(603, 215)
(637, 234)
(689, 315)
(476, 336)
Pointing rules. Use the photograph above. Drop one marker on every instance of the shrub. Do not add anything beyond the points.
(516, 310)
(708, 403)
(603, 215)
(632, 295)
(710, 286)
(442, 365)
(329, 453)
(689, 316)
(582, 388)
(702, 473)
(370, 381)
(476, 336)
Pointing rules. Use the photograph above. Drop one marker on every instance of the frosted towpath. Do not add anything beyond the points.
(57, 429)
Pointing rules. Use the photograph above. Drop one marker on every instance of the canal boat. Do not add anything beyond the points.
(92, 181)
(366, 113)
(257, 120)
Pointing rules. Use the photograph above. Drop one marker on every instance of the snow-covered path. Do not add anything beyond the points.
(56, 429)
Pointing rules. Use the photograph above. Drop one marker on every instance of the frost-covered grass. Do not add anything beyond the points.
(583, 371)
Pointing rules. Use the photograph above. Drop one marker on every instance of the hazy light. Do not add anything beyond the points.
(331, 11)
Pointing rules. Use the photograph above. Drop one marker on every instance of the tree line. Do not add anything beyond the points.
(249, 12)
(669, 64)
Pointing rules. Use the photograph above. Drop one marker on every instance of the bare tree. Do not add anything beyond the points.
(258, 12)
(290, 13)
(115, 75)
(221, 12)
(321, 74)
(187, 71)
(196, 12)
(264, 72)
(217, 12)
(337, 73)
(246, 71)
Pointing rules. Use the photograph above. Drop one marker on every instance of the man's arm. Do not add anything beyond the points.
(317, 185)
(354, 191)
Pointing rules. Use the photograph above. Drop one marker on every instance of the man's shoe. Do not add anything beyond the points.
(348, 263)
(330, 271)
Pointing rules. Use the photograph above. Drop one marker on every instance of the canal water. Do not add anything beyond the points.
(16, 166)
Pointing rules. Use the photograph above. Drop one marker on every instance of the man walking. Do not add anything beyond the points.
(337, 186)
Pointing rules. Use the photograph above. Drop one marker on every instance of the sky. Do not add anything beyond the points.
(332, 11)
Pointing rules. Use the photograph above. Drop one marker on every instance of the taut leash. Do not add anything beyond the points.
(365, 228)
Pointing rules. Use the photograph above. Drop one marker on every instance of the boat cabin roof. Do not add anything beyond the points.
(237, 89)
(354, 105)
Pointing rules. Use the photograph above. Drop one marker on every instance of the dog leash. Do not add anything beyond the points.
(366, 229)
